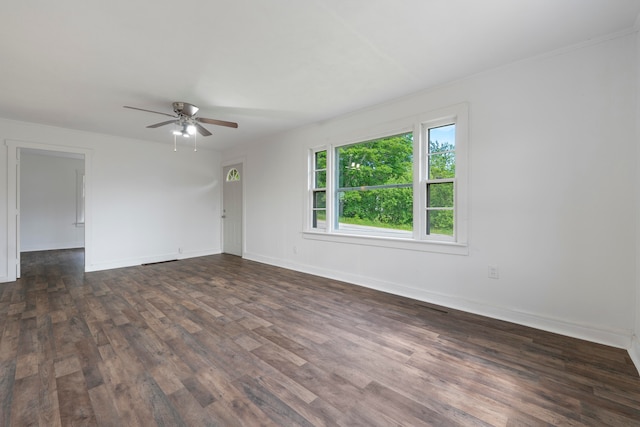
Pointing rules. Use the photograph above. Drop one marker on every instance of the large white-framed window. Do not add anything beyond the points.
(405, 186)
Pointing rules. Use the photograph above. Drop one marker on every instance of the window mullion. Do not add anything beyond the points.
(419, 199)
(374, 187)
(331, 193)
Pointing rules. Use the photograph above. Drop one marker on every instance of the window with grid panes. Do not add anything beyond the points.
(408, 186)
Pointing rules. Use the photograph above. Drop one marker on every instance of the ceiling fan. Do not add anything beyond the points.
(185, 118)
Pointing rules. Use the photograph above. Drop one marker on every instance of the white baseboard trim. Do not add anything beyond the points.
(614, 338)
(196, 254)
(129, 262)
(634, 351)
(52, 247)
(132, 262)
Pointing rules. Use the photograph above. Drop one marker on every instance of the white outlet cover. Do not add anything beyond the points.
(494, 273)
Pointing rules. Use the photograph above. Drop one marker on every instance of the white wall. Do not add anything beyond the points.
(144, 201)
(552, 197)
(48, 202)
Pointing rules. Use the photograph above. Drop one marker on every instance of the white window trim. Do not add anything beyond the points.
(420, 241)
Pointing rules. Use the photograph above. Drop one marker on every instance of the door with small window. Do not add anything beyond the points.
(232, 210)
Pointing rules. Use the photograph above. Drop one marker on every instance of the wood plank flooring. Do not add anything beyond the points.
(222, 341)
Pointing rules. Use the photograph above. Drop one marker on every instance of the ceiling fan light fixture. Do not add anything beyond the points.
(186, 123)
(186, 130)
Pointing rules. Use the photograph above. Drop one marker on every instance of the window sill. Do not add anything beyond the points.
(390, 242)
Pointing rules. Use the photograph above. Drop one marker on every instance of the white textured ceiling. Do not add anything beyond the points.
(269, 65)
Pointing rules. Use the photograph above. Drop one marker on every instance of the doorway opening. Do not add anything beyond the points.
(50, 201)
(38, 233)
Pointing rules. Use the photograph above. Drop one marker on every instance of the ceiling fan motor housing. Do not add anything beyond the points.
(185, 109)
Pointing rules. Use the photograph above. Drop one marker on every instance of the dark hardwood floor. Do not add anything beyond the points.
(223, 341)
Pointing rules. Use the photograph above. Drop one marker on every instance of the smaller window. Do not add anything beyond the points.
(440, 185)
(319, 190)
(233, 175)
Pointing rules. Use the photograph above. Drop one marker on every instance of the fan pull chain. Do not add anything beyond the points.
(195, 141)
(175, 146)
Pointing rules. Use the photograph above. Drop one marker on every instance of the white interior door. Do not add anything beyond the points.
(232, 210)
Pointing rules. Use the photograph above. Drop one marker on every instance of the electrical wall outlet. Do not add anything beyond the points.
(494, 273)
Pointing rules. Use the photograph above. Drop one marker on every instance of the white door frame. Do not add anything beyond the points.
(13, 202)
(224, 164)
(18, 214)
